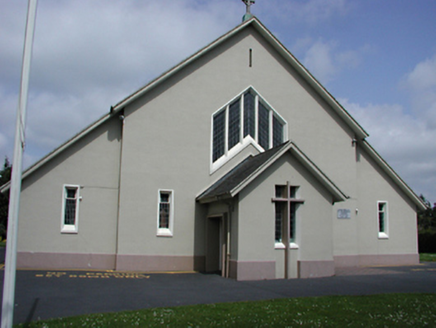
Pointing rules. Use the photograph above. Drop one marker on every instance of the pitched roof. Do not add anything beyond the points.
(280, 48)
(249, 169)
(360, 133)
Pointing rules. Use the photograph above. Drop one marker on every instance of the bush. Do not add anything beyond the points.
(427, 241)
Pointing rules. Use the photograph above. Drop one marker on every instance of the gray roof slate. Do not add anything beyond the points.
(238, 174)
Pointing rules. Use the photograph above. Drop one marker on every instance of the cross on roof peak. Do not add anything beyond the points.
(248, 14)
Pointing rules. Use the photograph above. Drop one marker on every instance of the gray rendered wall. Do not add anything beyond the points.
(167, 138)
(257, 223)
(92, 163)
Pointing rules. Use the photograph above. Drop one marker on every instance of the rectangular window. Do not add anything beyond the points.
(280, 215)
(219, 126)
(263, 138)
(234, 123)
(382, 215)
(165, 215)
(292, 220)
(277, 132)
(249, 115)
(70, 209)
(286, 198)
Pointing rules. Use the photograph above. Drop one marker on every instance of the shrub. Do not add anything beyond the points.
(427, 241)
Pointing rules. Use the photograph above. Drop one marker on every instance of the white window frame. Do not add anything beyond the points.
(288, 200)
(383, 234)
(70, 228)
(165, 232)
(244, 142)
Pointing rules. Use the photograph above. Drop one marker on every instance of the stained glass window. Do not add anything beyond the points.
(263, 138)
(249, 115)
(234, 123)
(219, 126)
(227, 123)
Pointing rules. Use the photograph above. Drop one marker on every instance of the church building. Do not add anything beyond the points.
(236, 161)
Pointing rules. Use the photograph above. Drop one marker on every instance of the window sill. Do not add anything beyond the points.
(69, 229)
(382, 235)
(282, 246)
(69, 232)
(164, 233)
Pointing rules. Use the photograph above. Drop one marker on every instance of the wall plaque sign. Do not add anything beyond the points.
(344, 213)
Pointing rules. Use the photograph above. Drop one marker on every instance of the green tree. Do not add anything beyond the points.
(5, 177)
(427, 217)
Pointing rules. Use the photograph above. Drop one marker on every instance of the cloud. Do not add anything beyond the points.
(311, 12)
(324, 59)
(88, 56)
(404, 141)
(421, 87)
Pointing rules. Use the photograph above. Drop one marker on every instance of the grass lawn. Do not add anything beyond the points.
(389, 310)
(427, 257)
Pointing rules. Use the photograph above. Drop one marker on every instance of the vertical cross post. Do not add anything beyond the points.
(248, 4)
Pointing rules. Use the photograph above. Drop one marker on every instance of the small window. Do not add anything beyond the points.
(165, 215)
(280, 216)
(70, 209)
(382, 215)
(286, 196)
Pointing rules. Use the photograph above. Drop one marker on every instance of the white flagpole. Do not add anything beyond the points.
(14, 193)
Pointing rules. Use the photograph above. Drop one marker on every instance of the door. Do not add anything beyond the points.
(214, 244)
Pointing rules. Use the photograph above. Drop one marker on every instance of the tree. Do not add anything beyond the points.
(427, 228)
(427, 217)
(5, 177)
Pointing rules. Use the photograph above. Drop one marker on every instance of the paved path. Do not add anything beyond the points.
(50, 294)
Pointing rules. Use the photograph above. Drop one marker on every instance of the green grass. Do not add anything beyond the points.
(2, 243)
(427, 257)
(389, 310)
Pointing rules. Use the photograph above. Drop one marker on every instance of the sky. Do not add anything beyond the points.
(377, 58)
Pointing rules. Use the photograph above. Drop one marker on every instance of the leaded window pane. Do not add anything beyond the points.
(70, 207)
(280, 191)
(164, 197)
(381, 222)
(280, 214)
(219, 126)
(381, 217)
(249, 115)
(164, 215)
(277, 132)
(292, 222)
(263, 138)
(234, 123)
(293, 192)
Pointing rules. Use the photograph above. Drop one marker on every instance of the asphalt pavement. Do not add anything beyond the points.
(48, 294)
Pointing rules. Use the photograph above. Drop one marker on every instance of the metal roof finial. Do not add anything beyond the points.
(248, 14)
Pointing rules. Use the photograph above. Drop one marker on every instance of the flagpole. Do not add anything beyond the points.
(14, 193)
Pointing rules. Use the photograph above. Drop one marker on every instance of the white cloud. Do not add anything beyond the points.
(312, 12)
(421, 86)
(88, 56)
(319, 60)
(404, 141)
(324, 59)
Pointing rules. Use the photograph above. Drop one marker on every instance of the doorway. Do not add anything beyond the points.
(216, 245)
